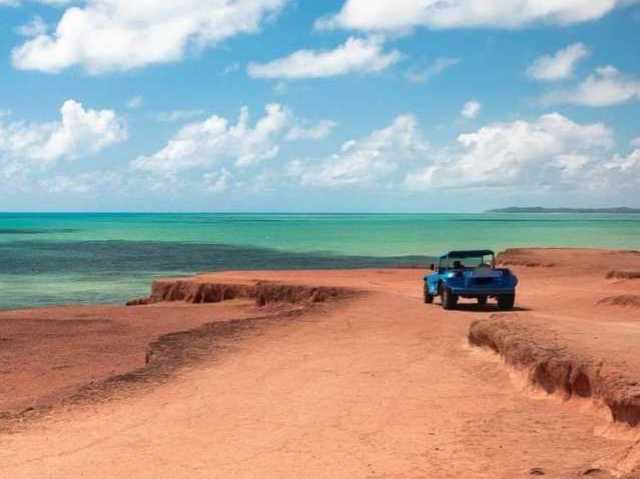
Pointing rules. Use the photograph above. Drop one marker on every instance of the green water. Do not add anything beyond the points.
(84, 258)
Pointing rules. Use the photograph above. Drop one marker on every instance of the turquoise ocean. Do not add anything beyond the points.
(61, 258)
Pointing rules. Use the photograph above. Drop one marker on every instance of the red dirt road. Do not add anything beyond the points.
(380, 386)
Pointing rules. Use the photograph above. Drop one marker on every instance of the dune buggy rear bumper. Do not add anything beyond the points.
(481, 292)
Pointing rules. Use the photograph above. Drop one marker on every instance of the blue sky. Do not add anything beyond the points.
(350, 105)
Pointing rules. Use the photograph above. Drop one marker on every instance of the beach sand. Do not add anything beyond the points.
(335, 374)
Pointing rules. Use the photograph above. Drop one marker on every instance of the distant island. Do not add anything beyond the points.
(539, 209)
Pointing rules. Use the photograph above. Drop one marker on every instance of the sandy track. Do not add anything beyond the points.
(380, 386)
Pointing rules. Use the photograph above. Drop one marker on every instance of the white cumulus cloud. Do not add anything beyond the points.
(213, 140)
(218, 181)
(552, 150)
(367, 161)
(79, 132)
(314, 132)
(606, 87)
(106, 35)
(558, 66)
(471, 109)
(403, 15)
(620, 174)
(356, 55)
(84, 183)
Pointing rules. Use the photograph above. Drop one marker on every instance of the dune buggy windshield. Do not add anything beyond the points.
(470, 261)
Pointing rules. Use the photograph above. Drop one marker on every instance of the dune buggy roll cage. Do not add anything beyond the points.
(460, 255)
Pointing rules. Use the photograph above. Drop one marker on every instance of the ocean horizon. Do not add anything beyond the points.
(86, 258)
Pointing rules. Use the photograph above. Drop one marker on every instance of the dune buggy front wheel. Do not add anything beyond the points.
(449, 300)
(506, 301)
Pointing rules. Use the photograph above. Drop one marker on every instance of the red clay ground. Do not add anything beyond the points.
(49, 354)
(379, 385)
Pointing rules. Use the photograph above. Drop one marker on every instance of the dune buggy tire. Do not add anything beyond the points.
(482, 300)
(428, 297)
(449, 300)
(506, 301)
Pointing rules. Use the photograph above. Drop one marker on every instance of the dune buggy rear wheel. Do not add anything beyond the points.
(506, 301)
(449, 300)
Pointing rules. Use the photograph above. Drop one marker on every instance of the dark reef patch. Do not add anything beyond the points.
(33, 231)
(157, 257)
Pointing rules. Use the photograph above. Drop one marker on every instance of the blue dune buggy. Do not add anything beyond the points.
(470, 274)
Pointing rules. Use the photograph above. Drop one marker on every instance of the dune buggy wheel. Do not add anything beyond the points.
(428, 297)
(482, 300)
(506, 301)
(449, 300)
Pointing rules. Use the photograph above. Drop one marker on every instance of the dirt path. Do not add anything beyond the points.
(380, 387)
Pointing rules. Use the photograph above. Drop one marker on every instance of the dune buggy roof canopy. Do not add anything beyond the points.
(468, 254)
